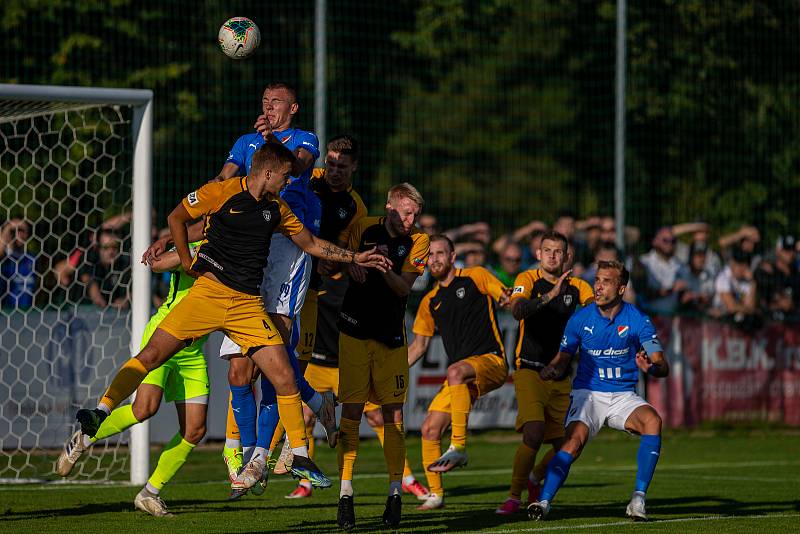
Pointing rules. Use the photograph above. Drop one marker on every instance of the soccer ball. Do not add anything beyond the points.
(239, 37)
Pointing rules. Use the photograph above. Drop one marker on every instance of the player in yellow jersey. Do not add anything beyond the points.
(241, 216)
(373, 362)
(461, 307)
(543, 300)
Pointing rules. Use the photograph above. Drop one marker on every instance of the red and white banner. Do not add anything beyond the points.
(719, 372)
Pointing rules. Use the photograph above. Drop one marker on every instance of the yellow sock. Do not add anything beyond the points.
(460, 403)
(379, 432)
(124, 384)
(310, 438)
(541, 468)
(523, 463)
(171, 459)
(394, 450)
(407, 472)
(431, 450)
(231, 428)
(347, 450)
(277, 436)
(290, 410)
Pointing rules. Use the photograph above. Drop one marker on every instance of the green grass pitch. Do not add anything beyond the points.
(709, 481)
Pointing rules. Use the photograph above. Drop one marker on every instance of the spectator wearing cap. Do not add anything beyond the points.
(700, 233)
(664, 274)
(735, 289)
(699, 292)
(778, 281)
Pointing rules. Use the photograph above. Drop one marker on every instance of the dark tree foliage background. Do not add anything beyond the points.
(498, 110)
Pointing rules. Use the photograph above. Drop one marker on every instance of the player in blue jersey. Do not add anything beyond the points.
(614, 340)
(284, 287)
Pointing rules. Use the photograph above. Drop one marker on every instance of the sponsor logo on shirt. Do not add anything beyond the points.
(192, 198)
(590, 330)
(608, 352)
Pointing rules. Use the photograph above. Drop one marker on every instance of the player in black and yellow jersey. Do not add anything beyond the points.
(373, 356)
(461, 306)
(241, 216)
(543, 300)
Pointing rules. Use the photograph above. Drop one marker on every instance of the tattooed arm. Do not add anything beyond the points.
(328, 251)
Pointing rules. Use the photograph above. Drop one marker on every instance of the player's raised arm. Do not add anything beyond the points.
(326, 250)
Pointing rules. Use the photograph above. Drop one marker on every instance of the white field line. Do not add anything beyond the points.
(630, 523)
(33, 484)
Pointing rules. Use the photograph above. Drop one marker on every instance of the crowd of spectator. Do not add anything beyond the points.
(680, 270)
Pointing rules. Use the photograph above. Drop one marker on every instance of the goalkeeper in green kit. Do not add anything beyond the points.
(182, 380)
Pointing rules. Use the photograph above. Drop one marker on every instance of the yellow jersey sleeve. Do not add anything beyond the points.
(523, 286)
(418, 257)
(290, 224)
(205, 200)
(487, 283)
(424, 324)
(585, 292)
(354, 238)
(361, 212)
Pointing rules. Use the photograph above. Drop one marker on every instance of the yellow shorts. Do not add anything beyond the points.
(371, 371)
(324, 379)
(542, 400)
(491, 372)
(210, 306)
(308, 327)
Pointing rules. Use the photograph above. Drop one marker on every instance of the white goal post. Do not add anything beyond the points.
(40, 121)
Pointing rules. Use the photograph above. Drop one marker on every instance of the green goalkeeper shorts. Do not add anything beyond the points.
(182, 377)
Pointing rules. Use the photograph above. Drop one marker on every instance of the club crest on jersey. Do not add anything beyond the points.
(401, 250)
(267, 215)
(342, 213)
(418, 262)
(623, 330)
(460, 292)
(567, 300)
(192, 198)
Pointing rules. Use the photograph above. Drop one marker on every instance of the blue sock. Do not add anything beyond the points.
(267, 422)
(244, 411)
(646, 459)
(557, 471)
(306, 391)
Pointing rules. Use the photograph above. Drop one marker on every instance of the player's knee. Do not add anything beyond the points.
(374, 418)
(195, 434)
(456, 375)
(149, 357)
(532, 435)
(238, 375)
(652, 423)
(430, 432)
(144, 408)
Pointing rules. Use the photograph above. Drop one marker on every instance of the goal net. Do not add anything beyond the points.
(74, 217)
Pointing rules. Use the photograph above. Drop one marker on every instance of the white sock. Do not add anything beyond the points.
(300, 451)
(346, 488)
(315, 402)
(395, 488)
(102, 407)
(409, 480)
(247, 454)
(260, 455)
(232, 443)
(152, 489)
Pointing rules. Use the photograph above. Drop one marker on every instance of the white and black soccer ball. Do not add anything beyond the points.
(239, 37)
